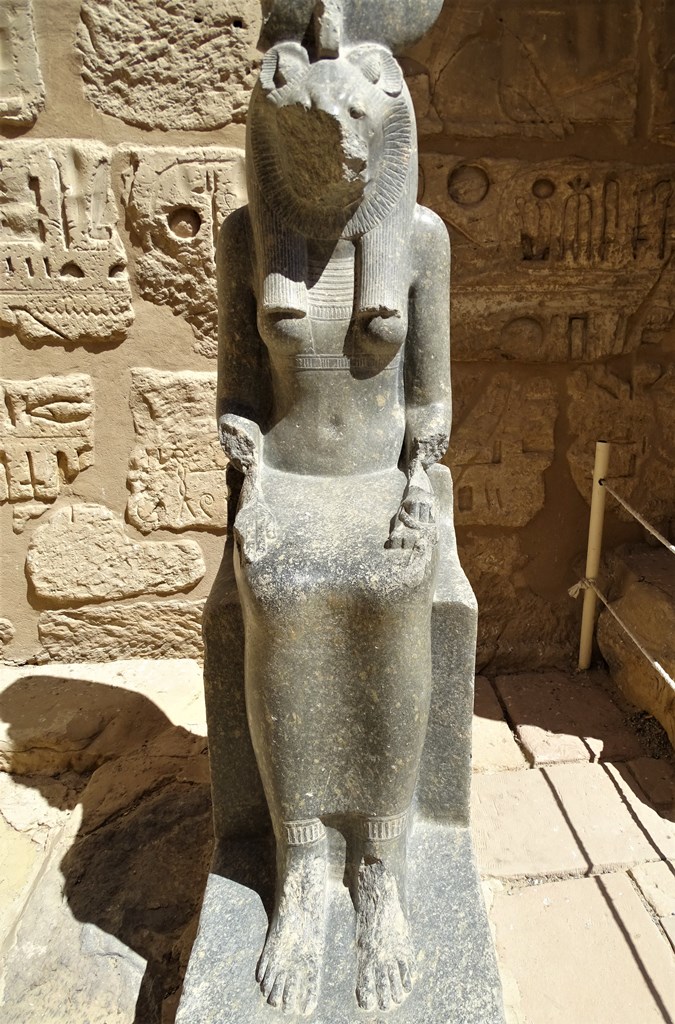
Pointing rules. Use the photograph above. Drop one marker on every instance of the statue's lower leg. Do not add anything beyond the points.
(384, 950)
(290, 966)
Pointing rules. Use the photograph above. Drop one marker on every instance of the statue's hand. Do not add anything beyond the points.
(415, 525)
(240, 439)
(255, 528)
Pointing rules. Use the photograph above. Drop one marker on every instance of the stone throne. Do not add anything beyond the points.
(340, 598)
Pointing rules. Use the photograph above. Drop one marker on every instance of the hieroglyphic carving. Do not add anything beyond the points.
(636, 414)
(117, 566)
(47, 436)
(177, 468)
(537, 68)
(63, 275)
(169, 63)
(502, 443)
(560, 261)
(176, 200)
(22, 92)
(661, 25)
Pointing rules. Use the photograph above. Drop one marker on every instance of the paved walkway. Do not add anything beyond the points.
(575, 837)
(104, 845)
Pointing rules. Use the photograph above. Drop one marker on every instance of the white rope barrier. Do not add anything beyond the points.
(586, 584)
(641, 520)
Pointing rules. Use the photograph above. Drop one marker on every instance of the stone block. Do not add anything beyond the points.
(176, 200)
(63, 276)
(636, 413)
(562, 261)
(177, 467)
(546, 68)
(494, 745)
(47, 438)
(588, 826)
(501, 445)
(457, 979)
(643, 596)
(83, 555)
(161, 64)
(163, 629)
(561, 717)
(22, 91)
(585, 950)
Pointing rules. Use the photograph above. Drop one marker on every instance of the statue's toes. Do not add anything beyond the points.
(268, 979)
(404, 969)
(384, 993)
(366, 990)
(309, 1002)
(276, 995)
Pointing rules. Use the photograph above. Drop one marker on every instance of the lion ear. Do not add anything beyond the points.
(379, 67)
(282, 65)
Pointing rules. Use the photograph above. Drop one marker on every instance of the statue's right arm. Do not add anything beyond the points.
(243, 375)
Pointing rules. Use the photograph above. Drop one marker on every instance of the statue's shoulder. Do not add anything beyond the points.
(235, 231)
(431, 240)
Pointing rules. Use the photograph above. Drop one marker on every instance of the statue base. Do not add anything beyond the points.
(456, 977)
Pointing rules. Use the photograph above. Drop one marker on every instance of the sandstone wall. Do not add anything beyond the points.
(546, 137)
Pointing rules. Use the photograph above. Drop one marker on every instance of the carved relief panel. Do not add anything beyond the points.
(22, 92)
(177, 467)
(501, 444)
(637, 414)
(537, 68)
(169, 64)
(46, 436)
(63, 269)
(176, 200)
(558, 261)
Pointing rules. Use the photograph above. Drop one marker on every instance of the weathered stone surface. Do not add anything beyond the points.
(636, 413)
(539, 68)
(7, 632)
(47, 437)
(63, 276)
(177, 467)
(589, 827)
(585, 950)
(502, 442)
(643, 596)
(176, 200)
(22, 92)
(164, 629)
(517, 625)
(661, 24)
(82, 555)
(164, 64)
(563, 261)
(562, 717)
(657, 825)
(494, 746)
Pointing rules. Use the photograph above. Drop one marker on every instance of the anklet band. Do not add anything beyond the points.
(301, 833)
(375, 829)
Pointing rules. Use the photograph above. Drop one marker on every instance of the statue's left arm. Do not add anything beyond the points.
(427, 373)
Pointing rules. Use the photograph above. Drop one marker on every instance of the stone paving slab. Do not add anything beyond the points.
(657, 884)
(585, 951)
(657, 826)
(657, 781)
(565, 718)
(566, 819)
(494, 746)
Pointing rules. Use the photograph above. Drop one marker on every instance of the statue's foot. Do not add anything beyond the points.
(384, 950)
(290, 965)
